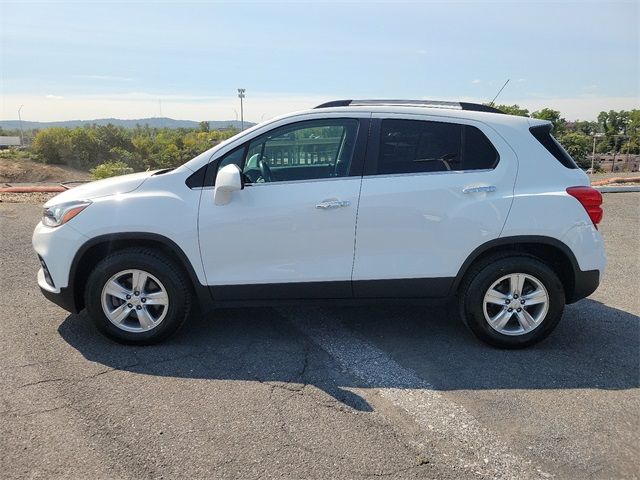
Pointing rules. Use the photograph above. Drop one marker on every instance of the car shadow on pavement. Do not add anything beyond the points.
(594, 347)
(251, 344)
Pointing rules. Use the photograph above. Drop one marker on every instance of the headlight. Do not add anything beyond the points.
(60, 214)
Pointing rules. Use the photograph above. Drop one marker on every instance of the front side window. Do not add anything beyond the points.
(305, 151)
(414, 146)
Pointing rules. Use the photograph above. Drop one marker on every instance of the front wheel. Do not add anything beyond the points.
(137, 296)
(511, 301)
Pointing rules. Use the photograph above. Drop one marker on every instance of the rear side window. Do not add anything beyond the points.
(542, 133)
(414, 146)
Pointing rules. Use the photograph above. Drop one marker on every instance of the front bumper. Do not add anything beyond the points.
(63, 297)
(57, 248)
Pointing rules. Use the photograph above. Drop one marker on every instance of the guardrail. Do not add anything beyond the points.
(39, 187)
(609, 181)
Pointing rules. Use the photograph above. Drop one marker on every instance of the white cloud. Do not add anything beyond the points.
(476, 81)
(105, 78)
(583, 107)
(258, 106)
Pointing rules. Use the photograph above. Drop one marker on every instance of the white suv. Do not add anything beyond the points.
(353, 201)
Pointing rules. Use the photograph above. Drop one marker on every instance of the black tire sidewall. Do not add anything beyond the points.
(157, 266)
(473, 299)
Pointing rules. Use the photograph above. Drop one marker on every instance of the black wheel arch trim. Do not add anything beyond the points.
(585, 282)
(201, 291)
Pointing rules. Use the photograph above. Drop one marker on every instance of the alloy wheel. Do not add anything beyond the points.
(516, 304)
(134, 300)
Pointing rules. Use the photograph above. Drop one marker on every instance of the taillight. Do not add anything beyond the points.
(591, 200)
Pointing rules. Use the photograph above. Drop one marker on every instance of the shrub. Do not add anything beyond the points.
(53, 145)
(110, 169)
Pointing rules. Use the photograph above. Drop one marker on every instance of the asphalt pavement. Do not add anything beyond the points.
(307, 392)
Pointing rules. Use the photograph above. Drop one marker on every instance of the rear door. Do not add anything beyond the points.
(434, 189)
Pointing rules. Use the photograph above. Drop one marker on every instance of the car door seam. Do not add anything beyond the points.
(355, 230)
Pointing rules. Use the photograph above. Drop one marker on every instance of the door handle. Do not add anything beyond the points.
(479, 189)
(331, 204)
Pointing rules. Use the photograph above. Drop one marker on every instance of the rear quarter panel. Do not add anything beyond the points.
(542, 206)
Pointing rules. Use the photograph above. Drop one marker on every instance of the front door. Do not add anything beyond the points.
(290, 232)
(434, 189)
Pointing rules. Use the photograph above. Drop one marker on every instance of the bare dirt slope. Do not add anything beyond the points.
(22, 170)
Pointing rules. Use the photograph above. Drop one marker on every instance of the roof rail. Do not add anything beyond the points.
(477, 107)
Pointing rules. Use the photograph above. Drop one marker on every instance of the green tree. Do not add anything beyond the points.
(85, 148)
(631, 144)
(615, 125)
(513, 110)
(585, 127)
(53, 145)
(110, 169)
(553, 116)
(578, 145)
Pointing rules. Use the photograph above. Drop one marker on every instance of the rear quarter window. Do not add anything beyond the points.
(542, 133)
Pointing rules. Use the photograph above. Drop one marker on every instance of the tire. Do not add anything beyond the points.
(157, 309)
(526, 323)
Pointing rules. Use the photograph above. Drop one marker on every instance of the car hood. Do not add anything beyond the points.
(102, 188)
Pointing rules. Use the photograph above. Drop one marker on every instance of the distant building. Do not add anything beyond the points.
(6, 142)
(623, 162)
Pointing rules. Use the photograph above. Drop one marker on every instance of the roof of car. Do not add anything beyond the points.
(476, 107)
(444, 109)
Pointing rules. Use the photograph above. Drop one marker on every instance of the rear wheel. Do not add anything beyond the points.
(137, 296)
(511, 301)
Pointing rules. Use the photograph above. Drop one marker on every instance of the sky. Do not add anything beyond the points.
(68, 60)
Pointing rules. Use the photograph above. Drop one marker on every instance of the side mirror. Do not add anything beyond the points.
(228, 180)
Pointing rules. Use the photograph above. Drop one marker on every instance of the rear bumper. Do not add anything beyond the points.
(585, 283)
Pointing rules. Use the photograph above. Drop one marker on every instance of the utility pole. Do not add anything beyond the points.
(593, 154)
(615, 148)
(241, 97)
(20, 121)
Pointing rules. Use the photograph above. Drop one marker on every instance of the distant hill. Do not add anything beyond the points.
(154, 122)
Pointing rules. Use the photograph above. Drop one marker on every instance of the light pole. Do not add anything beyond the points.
(20, 121)
(241, 97)
(593, 154)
